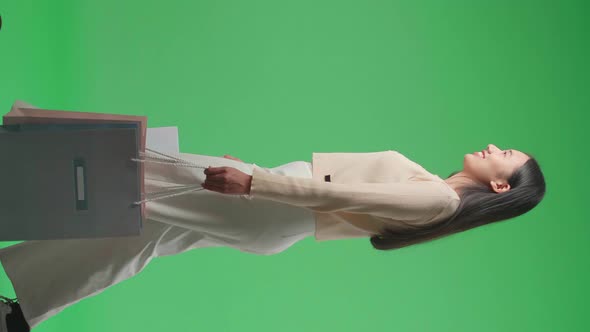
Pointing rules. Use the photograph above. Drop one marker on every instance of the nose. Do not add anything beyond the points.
(492, 148)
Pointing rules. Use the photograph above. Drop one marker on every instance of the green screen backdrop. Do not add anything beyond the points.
(270, 82)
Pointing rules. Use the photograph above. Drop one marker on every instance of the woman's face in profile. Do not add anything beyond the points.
(486, 165)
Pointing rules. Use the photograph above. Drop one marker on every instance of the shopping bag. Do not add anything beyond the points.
(65, 181)
(25, 113)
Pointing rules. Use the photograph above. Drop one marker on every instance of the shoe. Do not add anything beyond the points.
(11, 316)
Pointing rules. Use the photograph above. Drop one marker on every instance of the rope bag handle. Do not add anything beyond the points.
(173, 191)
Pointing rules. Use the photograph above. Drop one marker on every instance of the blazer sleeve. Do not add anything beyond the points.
(406, 201)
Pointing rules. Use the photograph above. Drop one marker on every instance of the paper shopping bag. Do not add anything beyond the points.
(62, 181)
(25, 113)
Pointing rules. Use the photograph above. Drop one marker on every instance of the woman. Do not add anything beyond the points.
(382, 195)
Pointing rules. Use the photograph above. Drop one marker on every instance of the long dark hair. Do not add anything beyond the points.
(479, 205)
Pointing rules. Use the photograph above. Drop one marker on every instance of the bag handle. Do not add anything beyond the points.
(170, 192)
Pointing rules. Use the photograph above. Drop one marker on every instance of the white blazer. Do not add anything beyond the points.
(356, 194)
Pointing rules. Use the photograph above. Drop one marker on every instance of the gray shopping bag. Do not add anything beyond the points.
(25, 113)
(61, 181)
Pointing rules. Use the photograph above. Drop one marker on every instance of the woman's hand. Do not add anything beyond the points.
(227, 180)
(230, 157)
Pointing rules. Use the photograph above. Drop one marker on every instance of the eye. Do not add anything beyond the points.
(505, 153)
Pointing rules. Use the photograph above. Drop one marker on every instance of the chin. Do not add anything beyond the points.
(468, 160)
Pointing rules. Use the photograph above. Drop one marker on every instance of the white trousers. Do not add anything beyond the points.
(50, 275)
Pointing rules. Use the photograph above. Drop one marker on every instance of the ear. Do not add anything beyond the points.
(499, 187)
